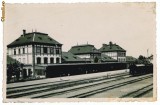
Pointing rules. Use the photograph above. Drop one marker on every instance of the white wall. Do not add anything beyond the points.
(84, 56)
(21, 57)
(28, 57)
(115, 56)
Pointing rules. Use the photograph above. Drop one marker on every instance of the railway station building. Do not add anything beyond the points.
(35, 50)
(114, 51)
(87, 52)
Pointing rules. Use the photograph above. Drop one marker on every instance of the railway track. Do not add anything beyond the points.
(28, 90)
(72, 89)
(106, 88)
(139, 93)
(83, 91)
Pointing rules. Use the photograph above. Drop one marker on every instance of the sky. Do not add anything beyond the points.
(130, 25)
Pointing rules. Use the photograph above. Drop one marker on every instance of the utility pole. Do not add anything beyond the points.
(147, 53)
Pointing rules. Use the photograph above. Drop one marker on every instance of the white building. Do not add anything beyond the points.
(114, 51)
(35, 50)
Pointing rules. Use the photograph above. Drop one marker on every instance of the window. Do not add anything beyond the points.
(19, 51)
(51, 50)
(57, 51)
(45, 50)
(29, 72)
(38, 50)
(14, 51)
(57, 60)
(38, 60)
(45, 60)
(23, 50)
(51, 60)
(24, 60)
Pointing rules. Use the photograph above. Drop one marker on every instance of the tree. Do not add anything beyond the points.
(144, 60)
(142, 57)
(150, 57)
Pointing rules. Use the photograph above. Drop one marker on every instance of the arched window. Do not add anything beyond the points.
(38, 60)
(51, 60)
(57, 60)
(45, 60)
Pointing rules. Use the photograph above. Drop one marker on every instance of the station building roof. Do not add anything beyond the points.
(33, 37)
(105, 58)
(83, 49)
(68, 57)
(111, 48)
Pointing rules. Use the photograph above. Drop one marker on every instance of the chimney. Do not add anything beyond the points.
(24, 32)
(110, 44)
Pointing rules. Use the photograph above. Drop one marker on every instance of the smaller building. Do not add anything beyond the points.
(87, 52)
(68, 57)
(114, 51)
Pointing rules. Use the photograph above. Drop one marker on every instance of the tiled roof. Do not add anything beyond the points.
(130, 59)
(83, 49)
(34, 37)
(105, 58)
(69, 57)
(111, 47)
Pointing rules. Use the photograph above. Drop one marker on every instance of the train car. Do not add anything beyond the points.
(140, 69)
(82, 68)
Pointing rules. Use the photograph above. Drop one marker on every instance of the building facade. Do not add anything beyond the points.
(35, 50)
(87, 52)
(114, 51)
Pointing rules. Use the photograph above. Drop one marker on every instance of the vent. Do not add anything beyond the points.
(40, 38)
(50, 39)
(17, 39)
(66, 57)
(75, 57)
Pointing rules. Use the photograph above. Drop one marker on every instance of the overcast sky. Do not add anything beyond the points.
(130, 25)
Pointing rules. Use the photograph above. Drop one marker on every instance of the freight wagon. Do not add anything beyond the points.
(140, 69)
